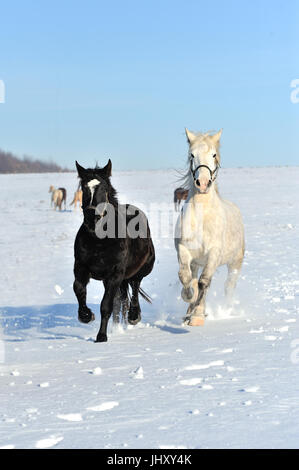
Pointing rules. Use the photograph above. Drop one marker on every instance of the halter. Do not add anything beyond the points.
(213, 173)
(105, 206)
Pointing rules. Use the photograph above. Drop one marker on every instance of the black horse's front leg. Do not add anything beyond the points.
(111, 288)
(85, 315)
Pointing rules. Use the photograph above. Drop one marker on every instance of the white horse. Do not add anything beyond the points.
(210, 231)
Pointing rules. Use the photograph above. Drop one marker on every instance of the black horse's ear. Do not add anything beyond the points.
(80, 169)
(108, 168)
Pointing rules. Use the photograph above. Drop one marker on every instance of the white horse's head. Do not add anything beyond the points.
(204, 158)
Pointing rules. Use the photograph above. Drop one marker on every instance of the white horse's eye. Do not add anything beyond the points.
(192, 156)
(215, 155)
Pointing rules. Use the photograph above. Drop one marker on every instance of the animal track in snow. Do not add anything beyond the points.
(283, 329)
(260, 330)
(44, 385)
(96, 371)
(270, 338)
(193, 381)
(48, 442)
(206, 387)
(70, 417)
(253, 389)
(138, 373)
(108, 405)
(205, 366)
(226, 351)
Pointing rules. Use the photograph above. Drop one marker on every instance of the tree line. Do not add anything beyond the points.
(9, 163)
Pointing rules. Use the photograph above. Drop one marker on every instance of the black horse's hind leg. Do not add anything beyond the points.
(111, 289)
(134, 315)
(121, 304)
(124, 297)
(85, 315)
(116, 307)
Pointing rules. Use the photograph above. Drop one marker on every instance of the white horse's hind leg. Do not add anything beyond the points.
(231, 281)
(190, 289)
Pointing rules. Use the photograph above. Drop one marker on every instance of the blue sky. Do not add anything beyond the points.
(122, 79)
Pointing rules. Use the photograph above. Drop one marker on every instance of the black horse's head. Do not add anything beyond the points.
(97, 191)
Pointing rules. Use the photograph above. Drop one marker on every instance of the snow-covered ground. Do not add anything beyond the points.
(233, 383)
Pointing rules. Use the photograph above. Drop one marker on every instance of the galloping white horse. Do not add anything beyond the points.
(210, 230)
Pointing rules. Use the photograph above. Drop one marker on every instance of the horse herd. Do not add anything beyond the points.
(58, 197)
(114, 243)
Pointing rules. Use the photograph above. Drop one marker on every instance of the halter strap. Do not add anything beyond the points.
(212, 172)
(95, 207)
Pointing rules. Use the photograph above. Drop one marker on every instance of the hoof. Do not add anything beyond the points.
(134, 316)
(101, 338)
(85, 315)
(196, 321)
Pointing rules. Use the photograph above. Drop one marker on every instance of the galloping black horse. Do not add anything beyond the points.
(113, 245)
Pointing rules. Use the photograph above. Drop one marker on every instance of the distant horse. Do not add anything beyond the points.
(58, 197)
(209, 231)
(77, 198)
(120, 260)
(180, 194)
(64, 196)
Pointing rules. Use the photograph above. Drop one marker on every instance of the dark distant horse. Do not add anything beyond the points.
(63, 190)
(107, 249)
(180, 194)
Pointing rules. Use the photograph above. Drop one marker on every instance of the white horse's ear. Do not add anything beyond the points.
(216, 137)
(190, 136)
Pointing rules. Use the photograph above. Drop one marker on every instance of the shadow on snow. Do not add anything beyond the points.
(56, 321)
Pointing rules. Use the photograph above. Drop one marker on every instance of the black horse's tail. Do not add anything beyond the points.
(126, 295)
(145, 296)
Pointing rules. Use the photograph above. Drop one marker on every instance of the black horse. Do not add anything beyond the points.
(113, 245)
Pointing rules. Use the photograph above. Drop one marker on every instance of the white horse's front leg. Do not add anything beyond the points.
(190, 290)
(197, 315)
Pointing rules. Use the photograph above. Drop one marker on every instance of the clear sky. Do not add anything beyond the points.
(93, 79)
